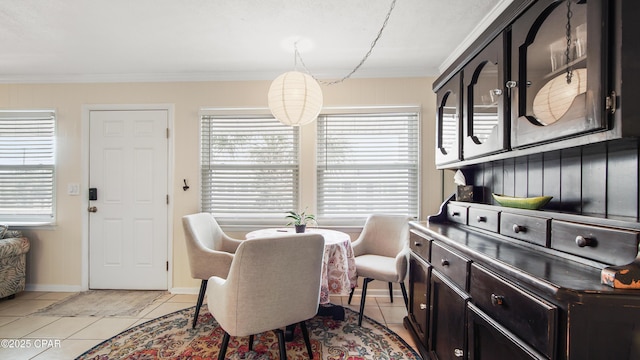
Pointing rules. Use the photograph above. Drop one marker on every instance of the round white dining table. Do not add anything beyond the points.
(339, 265)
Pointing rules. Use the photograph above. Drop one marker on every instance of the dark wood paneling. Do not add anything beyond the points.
(594, 179)
(521, 177)
(551, 178)
(622, 175)
(598, 179)
(509, 181)
(570, 180)
(535, 175)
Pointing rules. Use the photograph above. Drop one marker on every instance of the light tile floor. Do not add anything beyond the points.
(39, 337)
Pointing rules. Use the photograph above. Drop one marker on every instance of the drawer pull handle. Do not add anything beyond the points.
(582, 241)
(455, 213)
(423, 306)
(519, 228)
(417, 243)
(444, 262)
(482, 219)
(497, 300)
(458, 352)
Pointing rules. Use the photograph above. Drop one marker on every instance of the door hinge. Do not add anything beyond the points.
(611, 103)
(167, 266)
(167, 199)
(167, 133)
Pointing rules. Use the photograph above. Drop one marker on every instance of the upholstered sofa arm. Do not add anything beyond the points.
(13, 247)
(13, 255)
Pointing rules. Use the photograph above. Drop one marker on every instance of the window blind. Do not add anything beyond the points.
(249, 166)
(27, 166)
(367, 163)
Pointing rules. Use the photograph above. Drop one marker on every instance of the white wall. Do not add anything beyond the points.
(55, 260)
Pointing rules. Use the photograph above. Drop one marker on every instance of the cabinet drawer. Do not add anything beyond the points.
(420, 245)
(457, 214)
(610, 246)
(528, 228)
(528, 317)
(451, 264)
(484, 219)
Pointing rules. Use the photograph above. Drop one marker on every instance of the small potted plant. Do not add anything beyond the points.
(300, 220)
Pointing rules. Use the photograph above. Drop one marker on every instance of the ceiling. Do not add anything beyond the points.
(198, 40)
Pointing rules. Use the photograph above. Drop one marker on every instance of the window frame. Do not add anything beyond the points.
(307, 158)
(30, 220)
(373, 111)
(228, 218)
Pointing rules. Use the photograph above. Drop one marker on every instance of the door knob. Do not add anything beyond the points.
(92, 209)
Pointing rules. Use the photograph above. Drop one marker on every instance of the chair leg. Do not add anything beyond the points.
(404, 295)
(223, 346)
(281, 345)
(365, 282)
(307, 341)
(250, 342)
(203, 290)
(390, 292)
(351, 293)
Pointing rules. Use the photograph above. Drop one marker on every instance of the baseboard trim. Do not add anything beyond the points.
(53, 288)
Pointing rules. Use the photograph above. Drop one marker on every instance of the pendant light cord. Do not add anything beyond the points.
(366, 56)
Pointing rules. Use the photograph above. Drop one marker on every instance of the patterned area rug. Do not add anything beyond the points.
(103, 303)
(171, 337)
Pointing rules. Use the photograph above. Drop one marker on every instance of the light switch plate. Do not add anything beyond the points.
(73, 189)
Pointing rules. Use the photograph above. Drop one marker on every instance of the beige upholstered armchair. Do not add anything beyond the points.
(273, 282)
(210, 251)
(382, 253)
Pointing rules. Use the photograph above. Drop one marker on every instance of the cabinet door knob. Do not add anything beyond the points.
(497, 300)
(481, 219)
(417, 243)
(582, 241)
(458, 352)
(423, 306)
(511, 84)
(444, 262)
(519, 228)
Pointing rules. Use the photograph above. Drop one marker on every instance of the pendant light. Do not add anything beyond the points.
(295, 98)
(557, 96)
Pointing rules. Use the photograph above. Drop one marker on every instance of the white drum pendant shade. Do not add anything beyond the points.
(295, 98)
(556, 96)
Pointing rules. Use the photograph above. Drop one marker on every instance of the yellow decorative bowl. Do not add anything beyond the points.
(532, 203)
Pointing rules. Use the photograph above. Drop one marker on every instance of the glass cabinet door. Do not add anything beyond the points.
(448, 120)
(485, 125)
(557, 71)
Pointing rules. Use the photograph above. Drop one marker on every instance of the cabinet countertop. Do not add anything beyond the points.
(556, 276)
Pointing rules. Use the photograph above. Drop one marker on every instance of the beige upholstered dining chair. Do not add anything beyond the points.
(273, 282)
(210, 251)
(382, 253)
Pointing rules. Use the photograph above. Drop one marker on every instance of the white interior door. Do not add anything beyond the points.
(128, 220)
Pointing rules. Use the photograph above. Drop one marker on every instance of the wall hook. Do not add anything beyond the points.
(185, 187)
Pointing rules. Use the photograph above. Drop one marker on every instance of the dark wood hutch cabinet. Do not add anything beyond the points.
(493, 282)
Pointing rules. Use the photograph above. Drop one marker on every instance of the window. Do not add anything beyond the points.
(367, 163)
(249, 167)
(344, 168)
(27, 166)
